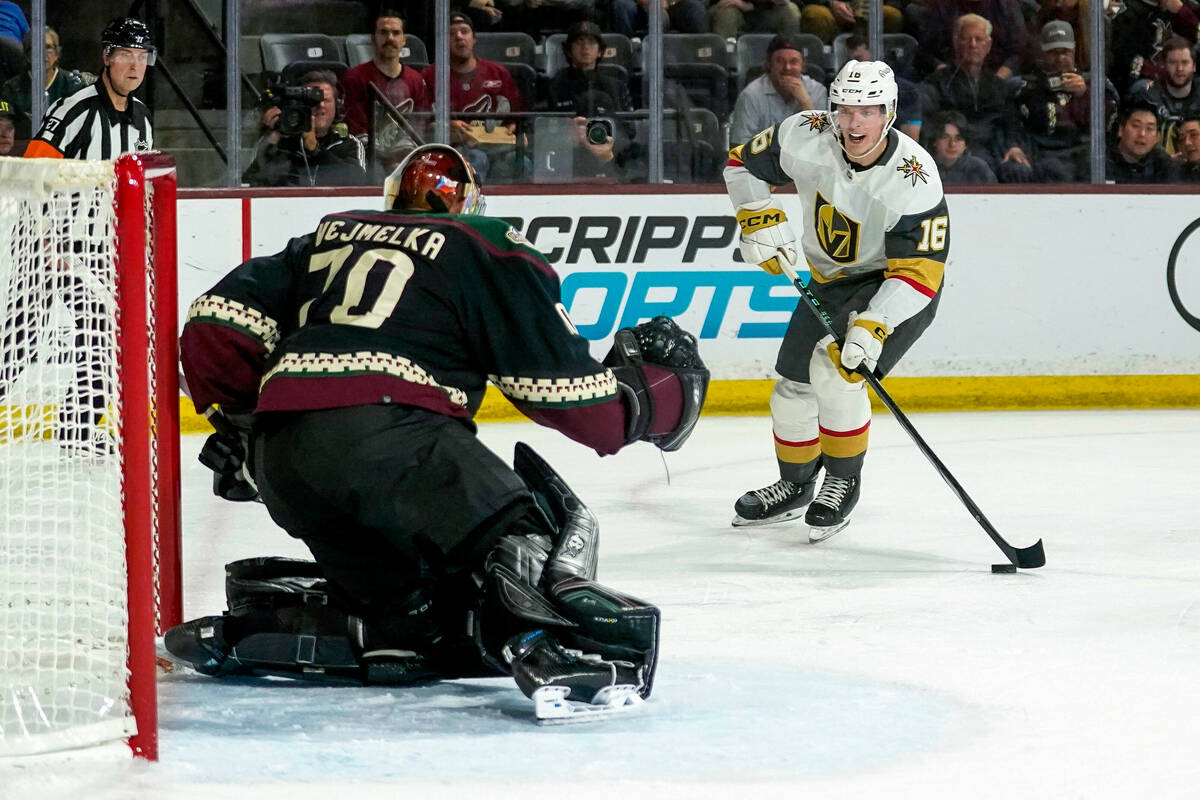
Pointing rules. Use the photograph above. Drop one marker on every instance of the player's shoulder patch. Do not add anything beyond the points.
(516, 237)
(814, 121)
(911, 168)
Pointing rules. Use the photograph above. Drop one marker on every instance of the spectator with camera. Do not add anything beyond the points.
(1188, 166)
(1175, 93)
(947, 141)
(1139, 32)
(304, 144)
(603, 149)
(782, 90)
(60, 82)
(971, 87)
(477, 85)
(1136, 157)
(1048, 136)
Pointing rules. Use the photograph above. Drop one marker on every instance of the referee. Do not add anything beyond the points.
(103, 120)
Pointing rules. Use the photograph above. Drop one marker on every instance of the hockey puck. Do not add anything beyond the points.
(1004, 567)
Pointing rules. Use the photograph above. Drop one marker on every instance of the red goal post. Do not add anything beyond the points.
(89, 449)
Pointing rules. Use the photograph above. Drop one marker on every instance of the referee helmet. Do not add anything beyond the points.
(128, 32)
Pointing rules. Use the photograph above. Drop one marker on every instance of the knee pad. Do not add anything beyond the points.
(794, 410)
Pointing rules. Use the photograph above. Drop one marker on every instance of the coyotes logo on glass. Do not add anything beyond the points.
(836, 233)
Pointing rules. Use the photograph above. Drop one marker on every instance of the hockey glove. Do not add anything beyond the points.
(766, 236)
(225, 454)
(638, 358)
(862, 346)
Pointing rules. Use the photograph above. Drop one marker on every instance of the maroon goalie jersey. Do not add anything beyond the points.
(391, 307)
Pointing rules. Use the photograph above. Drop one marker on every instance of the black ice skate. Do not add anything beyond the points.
(781, 501)
(569, 685)
(830, 512)
(201, 645)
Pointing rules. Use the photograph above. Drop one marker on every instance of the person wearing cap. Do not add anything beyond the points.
(1047, 138)
(584, 90)
(1175, 93)
(104, 120)
(60, 82)
(479, 85)
(8, 128)
(782, 90)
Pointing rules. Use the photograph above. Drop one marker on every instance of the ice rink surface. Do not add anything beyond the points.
(888, 662)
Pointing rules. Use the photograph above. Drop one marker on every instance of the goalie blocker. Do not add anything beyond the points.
(534, 611)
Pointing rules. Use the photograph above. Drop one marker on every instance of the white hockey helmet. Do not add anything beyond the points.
(863, 83)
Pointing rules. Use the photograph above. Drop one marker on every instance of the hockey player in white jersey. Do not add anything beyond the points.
(875, 236)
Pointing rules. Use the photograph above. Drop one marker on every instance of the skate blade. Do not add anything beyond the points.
(551, 706)
(741, 522)
(818, 535)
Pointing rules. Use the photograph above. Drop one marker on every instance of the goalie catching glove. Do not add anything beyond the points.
(766, 236)
(640, 358)
(862, 346)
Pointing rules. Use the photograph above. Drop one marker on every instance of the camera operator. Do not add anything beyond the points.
(303, 145)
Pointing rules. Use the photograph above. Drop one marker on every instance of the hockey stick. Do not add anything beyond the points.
(1024, 557)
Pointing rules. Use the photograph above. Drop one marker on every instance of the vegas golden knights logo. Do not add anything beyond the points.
(836, 233)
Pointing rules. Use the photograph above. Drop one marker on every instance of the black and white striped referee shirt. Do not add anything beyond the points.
(85, 125)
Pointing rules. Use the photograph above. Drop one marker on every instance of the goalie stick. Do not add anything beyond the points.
(1030, 557)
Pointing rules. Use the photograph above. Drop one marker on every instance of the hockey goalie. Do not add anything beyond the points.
(342, 375)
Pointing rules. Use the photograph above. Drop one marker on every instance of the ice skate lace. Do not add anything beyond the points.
(777, 492)
(833, 491)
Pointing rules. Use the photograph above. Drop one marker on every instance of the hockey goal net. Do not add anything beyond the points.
(89, 449)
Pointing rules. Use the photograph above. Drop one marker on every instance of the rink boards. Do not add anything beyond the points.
(1050, 300)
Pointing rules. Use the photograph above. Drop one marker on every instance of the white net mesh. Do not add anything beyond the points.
(63, 626)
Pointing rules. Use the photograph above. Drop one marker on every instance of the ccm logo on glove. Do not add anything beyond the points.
(753, 220)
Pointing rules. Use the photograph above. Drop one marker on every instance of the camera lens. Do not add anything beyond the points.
(598, 131)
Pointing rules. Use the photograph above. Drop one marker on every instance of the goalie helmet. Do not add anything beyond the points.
(433, 177)
(128, 32)
(863, 83)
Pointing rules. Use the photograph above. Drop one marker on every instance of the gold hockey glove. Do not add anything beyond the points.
(766, 236)
(862, 345)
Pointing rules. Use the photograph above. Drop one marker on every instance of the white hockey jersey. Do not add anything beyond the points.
(891, 216)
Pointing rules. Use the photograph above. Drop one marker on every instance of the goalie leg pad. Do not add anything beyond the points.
(576, 532)
(612, 624)
(281, 621)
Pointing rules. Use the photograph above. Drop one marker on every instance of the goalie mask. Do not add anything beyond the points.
(863, 83)
(436, 178)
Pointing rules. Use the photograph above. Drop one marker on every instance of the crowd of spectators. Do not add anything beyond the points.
(998, 90)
